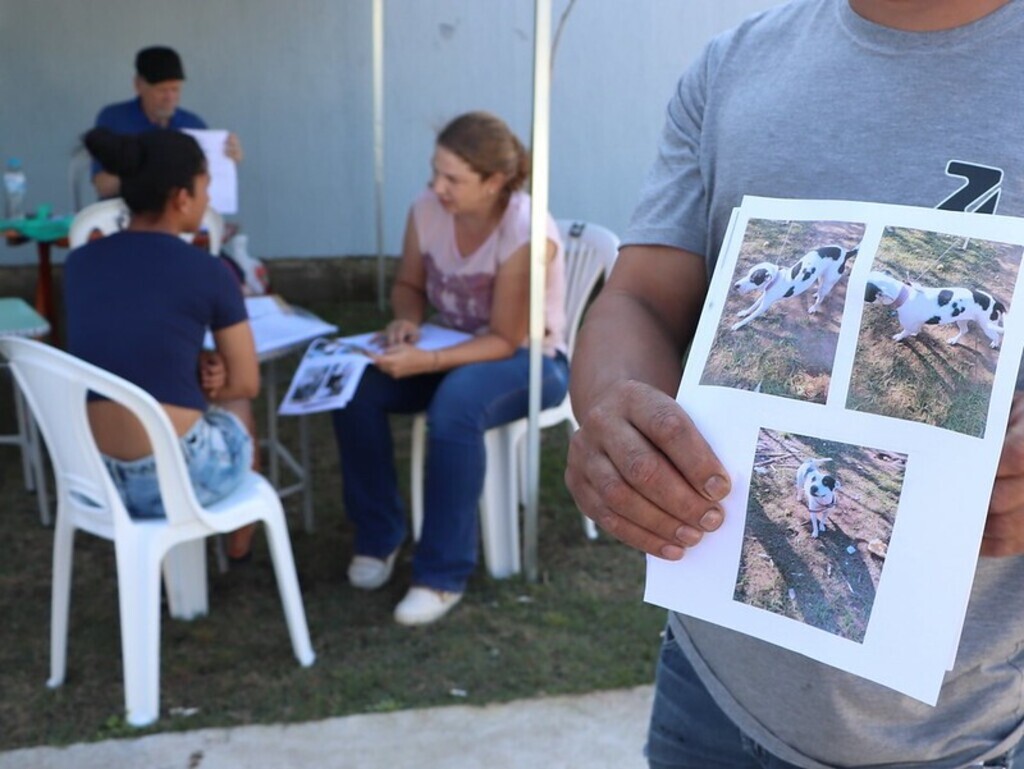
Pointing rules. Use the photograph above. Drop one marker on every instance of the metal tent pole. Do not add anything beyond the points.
(378, 142)
(540, 173)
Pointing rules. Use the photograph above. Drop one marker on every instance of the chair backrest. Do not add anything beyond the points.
(55, 385)
(105, 217)
(80, 188)
(213, 224)
(110, 216)
(590, 251)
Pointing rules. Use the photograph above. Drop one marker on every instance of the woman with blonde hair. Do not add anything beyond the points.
(466, 254)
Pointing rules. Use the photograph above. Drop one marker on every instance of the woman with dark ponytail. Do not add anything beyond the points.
(138, 304)
(466, 254)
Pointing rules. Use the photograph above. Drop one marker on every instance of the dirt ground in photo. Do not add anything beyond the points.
(786, 351)
(923, 378)
(829, 582)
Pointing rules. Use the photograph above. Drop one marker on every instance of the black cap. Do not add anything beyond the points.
(159, 63)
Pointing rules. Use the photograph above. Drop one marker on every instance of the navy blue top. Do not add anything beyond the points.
(138, 305)
(127, 117)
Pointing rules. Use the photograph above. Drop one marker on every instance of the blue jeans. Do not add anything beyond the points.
(461, 406)
(218, 454)
(689, 731)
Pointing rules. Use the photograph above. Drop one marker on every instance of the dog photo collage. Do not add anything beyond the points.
(851, 360)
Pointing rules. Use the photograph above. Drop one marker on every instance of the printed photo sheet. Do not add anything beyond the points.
(331, 369)
(853, 369)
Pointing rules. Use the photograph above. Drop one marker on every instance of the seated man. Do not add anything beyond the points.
(158, 79)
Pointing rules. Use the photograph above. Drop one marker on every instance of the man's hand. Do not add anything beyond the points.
(233, 148)
(640, 469)
(1004, 528)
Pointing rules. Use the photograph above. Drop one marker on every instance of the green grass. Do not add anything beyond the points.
(581, 627)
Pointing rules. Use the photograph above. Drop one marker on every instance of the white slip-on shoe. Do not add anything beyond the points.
(368, 573)
(423, 605)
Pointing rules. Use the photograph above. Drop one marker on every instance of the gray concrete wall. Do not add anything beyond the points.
(294, 81)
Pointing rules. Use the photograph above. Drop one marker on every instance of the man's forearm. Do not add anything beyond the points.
(620, 341)
(640, 324)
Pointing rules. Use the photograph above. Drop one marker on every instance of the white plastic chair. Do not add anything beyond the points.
(109, 216)
(80, 189)
(55, 385)
(590, 252)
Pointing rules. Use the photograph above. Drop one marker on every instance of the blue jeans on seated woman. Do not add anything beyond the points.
(218, 454)
(461, 406)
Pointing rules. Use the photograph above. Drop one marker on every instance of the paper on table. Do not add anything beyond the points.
(279, 331)
(223, 174)
(257, 306)
(276, 326)
(329, 372)
(882, 592)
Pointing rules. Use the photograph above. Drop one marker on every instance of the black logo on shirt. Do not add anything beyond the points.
(980, 191)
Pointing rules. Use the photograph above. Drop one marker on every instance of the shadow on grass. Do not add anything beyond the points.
(582, 627)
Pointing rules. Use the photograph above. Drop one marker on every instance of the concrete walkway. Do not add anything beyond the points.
(603, 729)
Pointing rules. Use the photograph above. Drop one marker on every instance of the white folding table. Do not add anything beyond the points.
(17, 318)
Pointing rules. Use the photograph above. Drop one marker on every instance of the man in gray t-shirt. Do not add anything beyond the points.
(890, 101)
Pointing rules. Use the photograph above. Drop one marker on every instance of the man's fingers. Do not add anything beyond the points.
(658, 453)
(670, 429)
(590, 501)
(621, 498)
(623, 509)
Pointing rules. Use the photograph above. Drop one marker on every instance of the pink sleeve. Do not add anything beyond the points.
(517, 223)
(427, 216)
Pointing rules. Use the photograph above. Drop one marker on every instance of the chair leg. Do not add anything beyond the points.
(138, 589)
(305, 456)
(32, 456)
(499, 504)
(184, 570)
(39, 468)
(288, 586)
(24, 441)
(63, 557)
(416, 463)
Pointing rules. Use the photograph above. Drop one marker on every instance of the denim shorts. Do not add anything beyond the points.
(218, 454)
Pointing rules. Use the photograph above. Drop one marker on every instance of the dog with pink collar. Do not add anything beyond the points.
(918, 305)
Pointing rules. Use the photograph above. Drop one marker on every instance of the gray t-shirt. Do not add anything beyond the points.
(810, 100)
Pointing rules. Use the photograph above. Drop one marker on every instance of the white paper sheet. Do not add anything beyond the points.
(223, 173)
(913, 430)
(258, 306)
(273, 333)
(329, 372)
(278, 327)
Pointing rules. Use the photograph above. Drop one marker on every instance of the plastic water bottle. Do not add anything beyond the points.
(15, 188)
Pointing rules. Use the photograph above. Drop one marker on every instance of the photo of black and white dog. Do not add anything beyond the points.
(917, 306)
(819, 490)
(825, 575)
(823, 266)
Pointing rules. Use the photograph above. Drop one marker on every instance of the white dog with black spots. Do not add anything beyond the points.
(823, 266)
(917, 306)
(819, 491)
